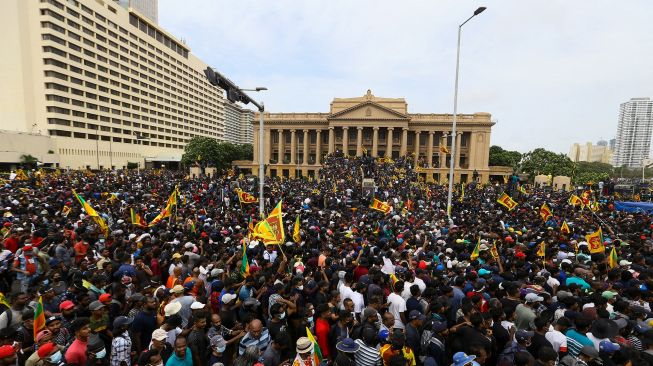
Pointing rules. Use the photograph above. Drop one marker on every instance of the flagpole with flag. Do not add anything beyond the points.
(39, 317)
(317, 352)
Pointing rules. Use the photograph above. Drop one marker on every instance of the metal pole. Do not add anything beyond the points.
(110, 154)
(97, 151)
(453, 128)
(261, 163)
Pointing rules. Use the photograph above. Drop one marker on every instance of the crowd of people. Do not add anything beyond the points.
(352, 286)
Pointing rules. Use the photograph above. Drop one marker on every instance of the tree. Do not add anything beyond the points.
(585, 172)
(541, 161)
(209, 152)
(28, 160)
(501, 157)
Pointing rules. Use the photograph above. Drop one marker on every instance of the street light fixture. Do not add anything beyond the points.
(261, 155)
(455, 114)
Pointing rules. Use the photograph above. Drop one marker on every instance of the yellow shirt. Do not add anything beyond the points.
(387, 353)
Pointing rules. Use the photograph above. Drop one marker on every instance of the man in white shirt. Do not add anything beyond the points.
(358, 299)
(345, 290)
(398, 305)
(270, 254)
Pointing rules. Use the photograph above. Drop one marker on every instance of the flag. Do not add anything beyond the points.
(364, 151)
(137, 219)
(244, 265)
(507, 202)
(275, 222)
(380, 206)
(494, 250)
(93, 214)
(565, 228)
(410, 204)
(444, 150)
(541, 250)
(523, 190)
(167, 211)
(245, 197)
(295, 233)
(263, 231)
(39, 317)
(477, 250)
(595, 241)
(594, 206)
(317, 352)
(612, 259)
(3, 300)
(462, 193)
(20, 175)
(545, 212)
(65, 210)
(393, 280)
(575, 200)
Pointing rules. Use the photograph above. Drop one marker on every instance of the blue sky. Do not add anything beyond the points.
(550, 72)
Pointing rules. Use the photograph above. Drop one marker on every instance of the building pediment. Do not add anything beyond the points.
(368, 110)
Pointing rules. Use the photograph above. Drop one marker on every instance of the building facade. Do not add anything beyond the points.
(633, 140)
(589, 152)
(148, 8)
(238, 124)
(295, 143)
(105, 83)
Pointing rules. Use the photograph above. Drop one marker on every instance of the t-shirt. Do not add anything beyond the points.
(175, 360)
(387, 353)
(144, 323)
(322, 329)
(397, 306)
(76, 353)
(523, 317)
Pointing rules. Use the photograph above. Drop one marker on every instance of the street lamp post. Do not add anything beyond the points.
(261, 155)
(455, 114)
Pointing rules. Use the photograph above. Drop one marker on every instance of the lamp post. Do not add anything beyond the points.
(139, 138)
(261, 155)
(455, 112)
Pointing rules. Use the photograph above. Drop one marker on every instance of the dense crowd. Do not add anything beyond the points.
(355, 286)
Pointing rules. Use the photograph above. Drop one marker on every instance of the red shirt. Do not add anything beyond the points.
(76, 353)
(322, 328)
(360, 271)
(11, 243)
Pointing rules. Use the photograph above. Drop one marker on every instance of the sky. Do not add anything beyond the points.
(550, 72)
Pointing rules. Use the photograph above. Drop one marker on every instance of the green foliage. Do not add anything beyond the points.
(585, 172)
(209, 152)
(131, 165)
(541, 161)
(28, 160)
(501, 157)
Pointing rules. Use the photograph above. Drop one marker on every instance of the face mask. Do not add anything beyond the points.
(55, 358)
(101, 354)
(282, 315)
(221, 349)
(310, 319)
(300, 288)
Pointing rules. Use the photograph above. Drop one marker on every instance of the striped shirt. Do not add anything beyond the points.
(576, 341)
(261, 342)
(366, 355)
(121, 347)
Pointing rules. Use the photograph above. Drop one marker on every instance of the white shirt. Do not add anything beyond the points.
(406, 293)
(359, 302)
(420, 283)
(557, 340)
(345, 293)
(397, 306)
(270, 257)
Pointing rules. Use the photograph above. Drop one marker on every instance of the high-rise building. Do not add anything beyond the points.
(591, 153)
(633, 140)
(106, 84)
(148, 8)
(238, 124)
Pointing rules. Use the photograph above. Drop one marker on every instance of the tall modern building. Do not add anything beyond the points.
(633, 140)
(103, 82)
(238, 124)
(148, 8)
(600, 152)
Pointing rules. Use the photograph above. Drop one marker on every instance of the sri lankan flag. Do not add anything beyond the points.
(595, 241)
(137, 219)
(167, 211)
(575, 200)
(507, 202)
(462, 193)
(39, 317)
(523, 190)
(380, 206)
(393, 280)
(295, 232)
(245, 197)
(477, 250)
(317, 352)
(90, 211)
(541, 250)
(612, 259)
(275, 223)
(263, 231)
(564, 229)
(545, 212)
(244, 264)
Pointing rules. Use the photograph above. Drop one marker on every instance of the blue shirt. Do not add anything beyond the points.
(174, 360)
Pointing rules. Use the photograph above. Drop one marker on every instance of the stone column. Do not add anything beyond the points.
(256, 149)
(416, 147)
(458, 139)
(305, 161)
(471, 149)
(429, 150)
(293, 146)
(332, 144)
(281, 147)
(443, 156)
(318, 147)
(375, 141)
(345, 140)
(404, 141)
(359, 141)
(268, 149)
(388, 140)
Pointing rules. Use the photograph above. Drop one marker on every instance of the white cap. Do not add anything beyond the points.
(531, 297)
(624, 262)
(227, 298)
(172, 308)
(196, 305)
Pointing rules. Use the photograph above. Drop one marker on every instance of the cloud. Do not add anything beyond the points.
(551, 72)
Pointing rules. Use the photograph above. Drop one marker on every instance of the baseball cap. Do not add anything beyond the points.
(415, 314)
(177, 289)
(609, 294)
(66, 305)
(172, 308)
(590, 351)
(95, 305)
(105, 298)
(609, 347)
(523, 335)
(196, 305)
(159, 334)
(531, 297)
(227, 298)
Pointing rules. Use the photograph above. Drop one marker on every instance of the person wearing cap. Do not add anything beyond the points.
(181, 294)
(588, 356)
(304, 352)
(463, 359)
(76, 352)
(43, 340)
(96, 352)
(525, 313)
(158, 344)
(346, 350)
(121, 345)
(413, 330)
(519, 345)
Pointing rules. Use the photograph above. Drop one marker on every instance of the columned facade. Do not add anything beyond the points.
(296, 143)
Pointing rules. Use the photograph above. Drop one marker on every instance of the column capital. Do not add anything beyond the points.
(431, 132)
(293, 131)
(418, 132)
(305, 131)
(318, 131)
(375, 128)
(359, 128)
(345, 128)
(332, 128)
(404, 128)
(390, 128)
(459, 133)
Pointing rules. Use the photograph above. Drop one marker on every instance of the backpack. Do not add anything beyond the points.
(425, 342)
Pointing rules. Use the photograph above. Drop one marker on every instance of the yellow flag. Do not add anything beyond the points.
(541, 250)
(295, 233)
(507, 202)
(595, 241)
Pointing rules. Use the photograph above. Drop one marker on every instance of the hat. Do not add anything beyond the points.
(172, 308)
(347, 345)
(159, 334)
(227, 298)
(178, 289)
(461, 358)
(126, 280)
(415, 314)
(196, 305)
(604, 328)
(483, 272)
(531, 297)
(218, 341)
(624, 262)
(51, 319)
(304, 345)
(176, 256)
(439, 326)
(383, 334)
(523, 335)
(621, 323)
(7, 351)
(609, 347)
(215, 272)
(95, 305)
(105, 298)
(42, 334)
(122, 321)
(590, 351)
(66, 305)
(564, 294)
(189, 285)
(609, 294)
(46, 350)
